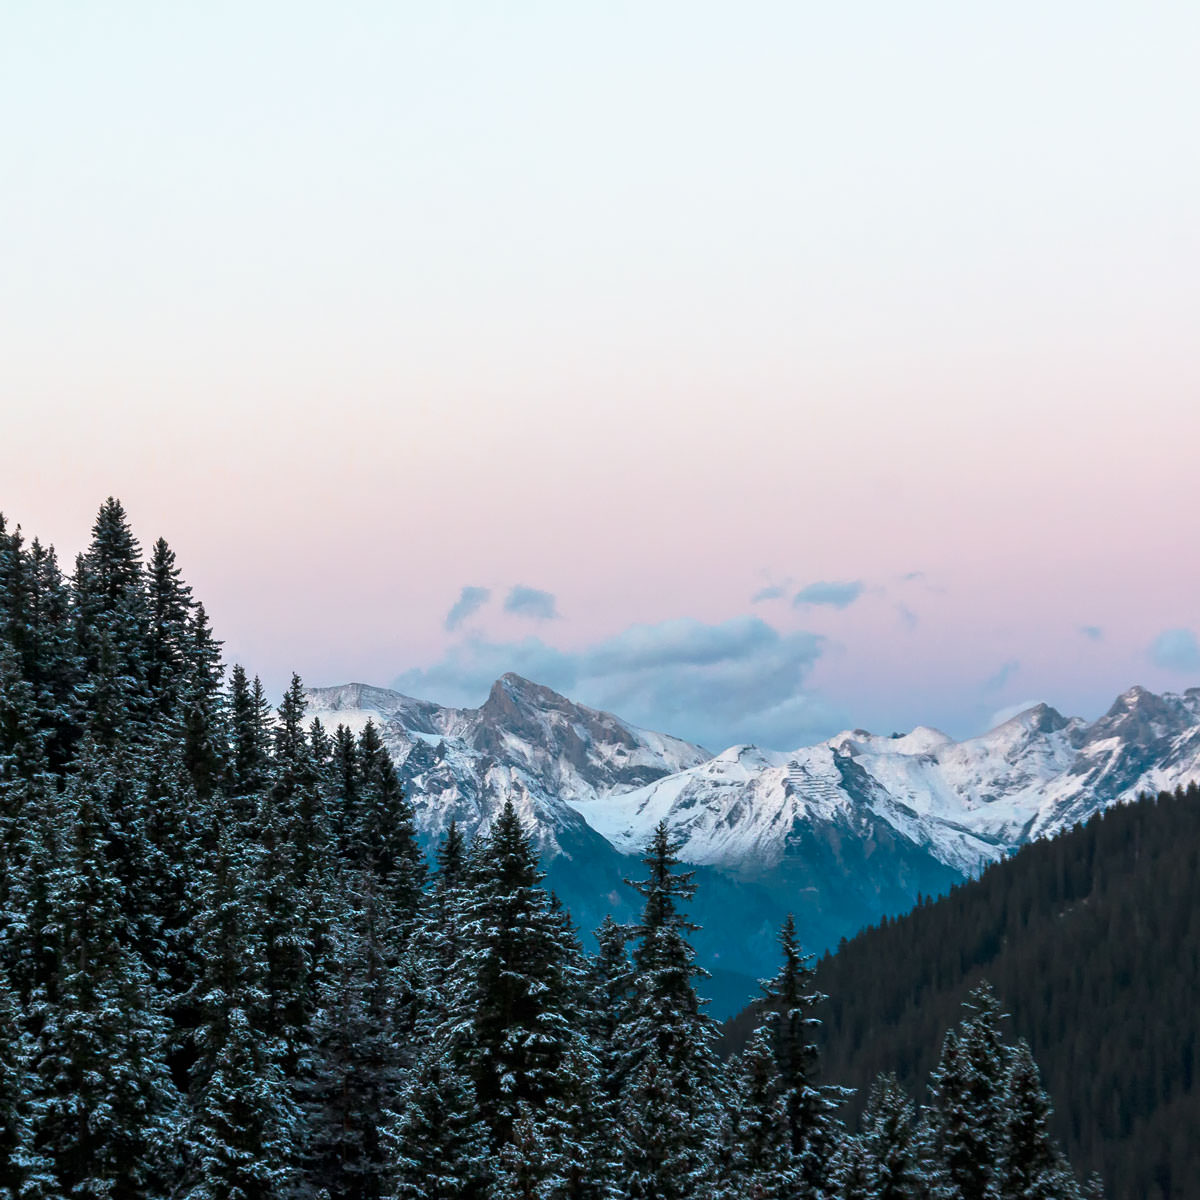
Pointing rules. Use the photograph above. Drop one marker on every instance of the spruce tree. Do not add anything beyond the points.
(383, 835)
(1032, 1166)
(105, 1109)
(438, 1143)
(758, 1159)
(202, 707)
(244, 1133)
(514, 1023)
(672, 1085)
(610, 988)
(170, 604)
(362, 1043)
(888, 1136)
(789, 1000)
(249, 759)
(112, 622)
(23, 1172)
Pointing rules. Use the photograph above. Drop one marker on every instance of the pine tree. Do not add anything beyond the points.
(249, 764)
(112, 623)
(850, 1172)
(968, 1093)
(383, 835)
(23, 1172)
(105, 1109)
(361, 1045)
(291, 881)
(439, 1144)
(201, 706)
(610, 988)
(671, 1077)
(170, 605)
(245, 1132)
(789, 1000)
(889, 1138)
(759, 1159)
(514, 1023)
(244, 1123)
(1033, 1167)
(344, 784)
(177, 833)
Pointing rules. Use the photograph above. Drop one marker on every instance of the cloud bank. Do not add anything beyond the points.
(736, 681)
(1176, 650)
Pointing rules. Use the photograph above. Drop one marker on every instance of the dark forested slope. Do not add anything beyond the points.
(1092, 942)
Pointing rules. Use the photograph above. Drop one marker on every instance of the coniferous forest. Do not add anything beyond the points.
(228, 972)
(1092, 939)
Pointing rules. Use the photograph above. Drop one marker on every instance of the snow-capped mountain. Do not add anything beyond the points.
(839, 833)
(967, 802)
(525, 743)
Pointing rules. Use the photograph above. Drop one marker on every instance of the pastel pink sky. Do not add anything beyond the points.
(646, 307)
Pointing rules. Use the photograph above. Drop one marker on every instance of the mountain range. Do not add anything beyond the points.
(840, 833)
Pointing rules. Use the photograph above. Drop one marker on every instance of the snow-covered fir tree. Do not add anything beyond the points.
(672, 1085)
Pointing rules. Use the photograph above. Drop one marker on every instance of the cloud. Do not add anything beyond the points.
(775, 591)
(1093, 633)
(907, 615)
(469, 602)
(836, 595)
(1176, 650)
(1006, 671)
(530, 602)
(736, 681)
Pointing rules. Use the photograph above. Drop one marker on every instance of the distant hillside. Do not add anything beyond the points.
(1092, 941)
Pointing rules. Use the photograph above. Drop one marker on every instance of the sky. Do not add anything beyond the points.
(754, 371)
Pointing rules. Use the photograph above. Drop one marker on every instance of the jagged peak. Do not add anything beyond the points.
(1038, 718)
(512, 690)
(1137, 699)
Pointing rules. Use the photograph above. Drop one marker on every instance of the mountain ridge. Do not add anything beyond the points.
(841, 833)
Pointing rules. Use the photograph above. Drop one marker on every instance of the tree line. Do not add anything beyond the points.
(228, 972)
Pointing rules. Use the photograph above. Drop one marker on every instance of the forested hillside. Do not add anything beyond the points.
(227, 971)
(1092, 940)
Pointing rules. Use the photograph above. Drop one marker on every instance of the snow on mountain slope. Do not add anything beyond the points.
(967, 803)
(839, 833)
(525, 743)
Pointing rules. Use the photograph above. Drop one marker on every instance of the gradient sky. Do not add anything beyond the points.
(755, 370)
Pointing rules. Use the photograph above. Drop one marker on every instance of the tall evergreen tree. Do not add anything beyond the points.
(672, 1081)
(1032, 1165)
(170, 605)
(362, 1043)
(515, 1025)
(105, 1109)
(889, 1138)
(966, 1118)
(383, 836)
(789, 1000)
(245, 1132)
(759, 1159)
(249, 756)
(23, 1172)
(439, 1145)
(112, 622)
